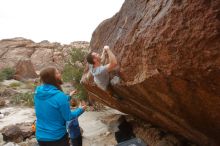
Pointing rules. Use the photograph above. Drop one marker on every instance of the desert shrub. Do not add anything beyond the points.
(78, 54)
(26, 99)
(73, 73)
(31, 85)
(2, 76)
(4, 92)
(82, 93)
(15, 85)
(6, 74)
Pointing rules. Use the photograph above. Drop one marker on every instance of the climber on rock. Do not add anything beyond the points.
(100, 72)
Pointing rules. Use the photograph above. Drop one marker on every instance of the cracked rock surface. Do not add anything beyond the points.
(169, 54)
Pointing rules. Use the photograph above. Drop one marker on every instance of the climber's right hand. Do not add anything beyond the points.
(106, 48)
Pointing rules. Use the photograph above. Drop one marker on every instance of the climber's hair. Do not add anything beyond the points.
(89, 58)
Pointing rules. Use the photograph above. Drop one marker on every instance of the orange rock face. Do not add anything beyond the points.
(169, 53)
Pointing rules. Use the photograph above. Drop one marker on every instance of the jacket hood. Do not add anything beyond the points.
(45, 91)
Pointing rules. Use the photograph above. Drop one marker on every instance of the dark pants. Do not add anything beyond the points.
(77, 141)
(64, 141)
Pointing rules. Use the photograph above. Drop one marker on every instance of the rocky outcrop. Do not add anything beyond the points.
(169, 54)
(2, 102)
(25, 70)
(156, 136)
(153, 136)
(17, 133)
(41, 54)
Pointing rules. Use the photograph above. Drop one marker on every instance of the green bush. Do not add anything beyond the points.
(78, 54)
(23, 99)
(73, 73)
(7, 74)
(2, 76)
(30, 85)
(15, 85)
(82, 94)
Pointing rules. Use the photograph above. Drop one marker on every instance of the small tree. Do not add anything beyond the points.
(73, 71)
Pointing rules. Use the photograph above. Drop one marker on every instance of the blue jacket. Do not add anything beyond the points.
(52, 111)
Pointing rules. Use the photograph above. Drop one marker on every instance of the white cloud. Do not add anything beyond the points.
(54, 20)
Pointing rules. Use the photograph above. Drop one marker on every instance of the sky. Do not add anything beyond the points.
(61, 21)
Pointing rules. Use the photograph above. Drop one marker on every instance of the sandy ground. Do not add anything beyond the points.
(14, 115)
(95, 133)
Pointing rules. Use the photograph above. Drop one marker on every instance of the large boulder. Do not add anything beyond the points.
(42, 57)
(17, 133)
(25, 70)
(169, 54)
(12, 133)
(12, 50)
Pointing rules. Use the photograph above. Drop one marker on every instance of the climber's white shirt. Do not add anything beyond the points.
(101, 76)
